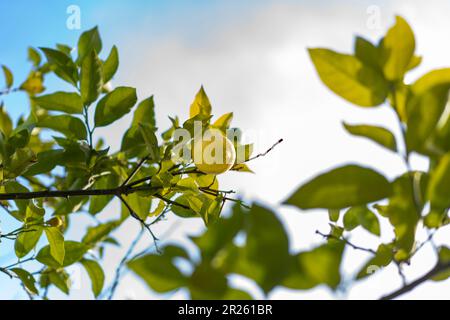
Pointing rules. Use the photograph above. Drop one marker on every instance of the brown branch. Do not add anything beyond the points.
(266, 152)
(330, 236)
(436, 270)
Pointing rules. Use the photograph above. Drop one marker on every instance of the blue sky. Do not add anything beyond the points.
(251, 57)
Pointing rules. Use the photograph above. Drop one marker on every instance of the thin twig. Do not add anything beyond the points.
(266, 152)
(330, 236)
(135, 170)
(122, 263)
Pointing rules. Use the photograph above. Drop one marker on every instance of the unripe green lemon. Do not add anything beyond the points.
(213, 153)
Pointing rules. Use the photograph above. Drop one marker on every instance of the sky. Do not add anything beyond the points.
(251, 57)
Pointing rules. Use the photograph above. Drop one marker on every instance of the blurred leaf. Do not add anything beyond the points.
(110, 65)
(424, 112)
(343, 187)
(265, 233)
(34, 84)
(333, 214)
(96, 275)
(382, 258)
(362, 216)
(27, 279)
(349, 78)
(444, 258)
(318, 266)
(398, 49)
(90, 78)
(114, 105)
(207, 283)
(218, 235)
(439, 185)
(70, 126)
(158, 272)
(99, 232)
(9, 78)
(378, 135)
(68, 102)
(34, 56)
(367, 53)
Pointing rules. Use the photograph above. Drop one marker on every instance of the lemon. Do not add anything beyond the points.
(213, 153)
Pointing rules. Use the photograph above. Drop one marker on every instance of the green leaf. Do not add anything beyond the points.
(349, 78)
(158, 272)
(439, 185)
(26, 241)
(318, 266)
(110, 65)
(65, 68)
(367, 53)
(362, 216)
(430, 80)
(402, 211)
(343, 187)
(46, 162)
(223, 123)
(27, 279)
(34, 56)
(90, 78)
(334, 214)
(98, 203)
(424, 112)
(140, 205)
(99, 233)
(70, 126)
(200, 105)
(114, 105)
(21, 160)
(397, 49)
(151, 141)
(68, 102)
(219, 235)
(207, 283)
(56, 242)
(444, 258)
(9, 78)
(74, 251)
(265, 233)
(183, 212)
(5, 122)
(383, 257)
(89, 41)
(145, 113)
(96, 275)
(378, 135)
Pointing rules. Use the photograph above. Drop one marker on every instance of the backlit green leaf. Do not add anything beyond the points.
(114, 105)
(68, 102)
(343, 187)
(349, 78)
(379, 135)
